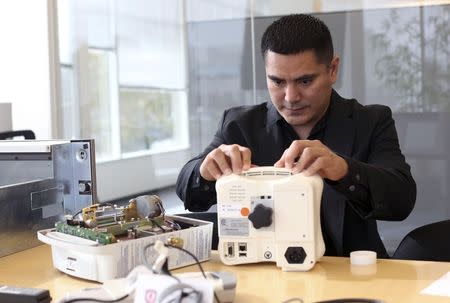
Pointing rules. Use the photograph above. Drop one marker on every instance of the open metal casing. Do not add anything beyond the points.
(40, 182)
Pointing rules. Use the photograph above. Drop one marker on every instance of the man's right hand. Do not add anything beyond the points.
(224, 160)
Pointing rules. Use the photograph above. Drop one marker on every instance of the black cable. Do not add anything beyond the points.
(185, 251)
(190, 254)
(156, 223)
(95, 300)
(351, 300)
(180, 286)
(185, 294)
(348, 300)
(198, 263)
(79, 212)
(174, 225)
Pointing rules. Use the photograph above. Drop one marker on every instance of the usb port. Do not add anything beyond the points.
(242, 246)
(230, 249)
(242, 254)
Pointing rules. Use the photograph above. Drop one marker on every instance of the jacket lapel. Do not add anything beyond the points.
(339, 137)
(340, 131)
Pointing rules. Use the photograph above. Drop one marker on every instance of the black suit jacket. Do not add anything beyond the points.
(379, 185)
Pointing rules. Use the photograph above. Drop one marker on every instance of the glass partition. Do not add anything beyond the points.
(392, 53)
(162, 72)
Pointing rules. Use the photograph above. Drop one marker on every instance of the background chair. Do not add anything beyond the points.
(27, 134)
(206, 216)
(430, 242)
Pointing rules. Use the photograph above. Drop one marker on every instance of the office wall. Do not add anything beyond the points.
(24, 62)
(393, 56)
(5, 117)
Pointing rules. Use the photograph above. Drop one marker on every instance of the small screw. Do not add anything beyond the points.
(82, 155)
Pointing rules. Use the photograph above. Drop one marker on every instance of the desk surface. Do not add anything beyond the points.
(391, 280)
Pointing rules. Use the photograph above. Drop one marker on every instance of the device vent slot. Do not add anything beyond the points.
(283, 173)
(251, 174)
(268, 173)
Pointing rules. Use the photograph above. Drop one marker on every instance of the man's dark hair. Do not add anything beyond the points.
(297, 33)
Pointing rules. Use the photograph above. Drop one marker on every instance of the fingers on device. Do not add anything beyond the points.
(269, 214)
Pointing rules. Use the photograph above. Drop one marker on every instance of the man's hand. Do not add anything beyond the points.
(313, 157)
(224, 160)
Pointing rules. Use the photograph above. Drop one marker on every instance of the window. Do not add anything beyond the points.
(123, 83)
(152, 120)
(96, 119)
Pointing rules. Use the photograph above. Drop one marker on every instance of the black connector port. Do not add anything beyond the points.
(242, 246)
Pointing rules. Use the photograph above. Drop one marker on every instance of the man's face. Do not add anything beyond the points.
(299, 86)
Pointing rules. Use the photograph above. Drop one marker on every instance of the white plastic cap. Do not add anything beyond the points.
(363, 257)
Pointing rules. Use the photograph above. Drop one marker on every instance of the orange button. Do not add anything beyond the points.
(245, 211)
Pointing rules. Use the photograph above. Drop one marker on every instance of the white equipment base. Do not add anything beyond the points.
(89, 260)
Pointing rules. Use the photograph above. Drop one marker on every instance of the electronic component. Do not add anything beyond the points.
(147, 206)
(107, 224)
(270, 214)
(86, 233)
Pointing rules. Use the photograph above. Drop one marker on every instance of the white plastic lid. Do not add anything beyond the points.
(363, 257)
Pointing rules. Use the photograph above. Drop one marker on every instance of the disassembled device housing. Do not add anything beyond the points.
(269, 214)
(100, 259)
(40, 182)
(103, 241)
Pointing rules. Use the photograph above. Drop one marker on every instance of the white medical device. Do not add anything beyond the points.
(269, 214)
(153, 284)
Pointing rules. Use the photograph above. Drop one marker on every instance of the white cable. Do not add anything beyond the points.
(162, 258)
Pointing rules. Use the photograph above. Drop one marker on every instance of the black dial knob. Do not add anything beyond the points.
(261, 216)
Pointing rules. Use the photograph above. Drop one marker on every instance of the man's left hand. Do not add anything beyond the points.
(313, 158)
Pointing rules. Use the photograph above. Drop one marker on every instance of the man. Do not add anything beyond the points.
(309, 128)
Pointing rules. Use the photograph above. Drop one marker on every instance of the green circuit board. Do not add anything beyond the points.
(107, 223)
(86, 233)
(108, 234)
